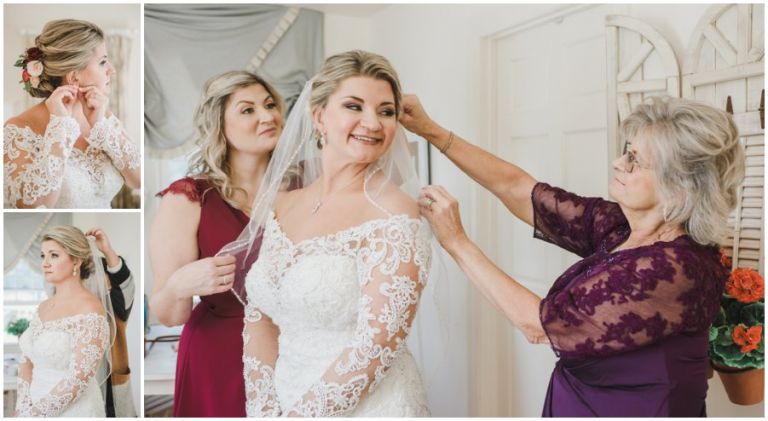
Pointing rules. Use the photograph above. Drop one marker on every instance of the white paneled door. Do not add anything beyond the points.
(548, 115)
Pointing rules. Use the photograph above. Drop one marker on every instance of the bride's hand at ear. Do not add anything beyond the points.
(95, 103)
(415, 118)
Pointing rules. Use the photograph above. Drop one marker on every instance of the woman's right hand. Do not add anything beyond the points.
(415, 118)
(62, 100)
(207, 276)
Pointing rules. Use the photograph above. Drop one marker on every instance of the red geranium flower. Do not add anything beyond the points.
(745, 285)
(748, 339)
(25, 75)
(725, 260)
(33, 53)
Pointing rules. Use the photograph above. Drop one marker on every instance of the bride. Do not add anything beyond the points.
(344, 259)
(65, 354)
(67, 151)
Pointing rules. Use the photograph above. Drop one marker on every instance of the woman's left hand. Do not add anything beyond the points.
(102, 243)
(442, 211)
(95, 103)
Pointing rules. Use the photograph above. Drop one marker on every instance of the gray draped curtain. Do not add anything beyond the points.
(186, 44)
(22, 241)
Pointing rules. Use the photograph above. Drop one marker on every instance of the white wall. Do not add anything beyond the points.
(20, 18)
(123, 230)
(438, 53)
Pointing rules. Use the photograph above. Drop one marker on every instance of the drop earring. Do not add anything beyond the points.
(74, 271)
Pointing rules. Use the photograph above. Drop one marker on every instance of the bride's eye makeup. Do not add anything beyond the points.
(247, 110)
(353, 106)
(388, 112)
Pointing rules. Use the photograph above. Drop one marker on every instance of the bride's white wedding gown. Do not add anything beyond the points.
(38, 166)
(344, 304)
(64, 355)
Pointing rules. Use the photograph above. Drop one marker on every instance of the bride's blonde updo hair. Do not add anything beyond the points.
(74, 243)
(66, 45)
(211, 160)
(342, 66)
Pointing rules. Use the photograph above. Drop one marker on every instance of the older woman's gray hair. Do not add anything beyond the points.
(698, 161)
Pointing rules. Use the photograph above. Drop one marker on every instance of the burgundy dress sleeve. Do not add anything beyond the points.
(577, 224)
(187, 186)
(629, 299)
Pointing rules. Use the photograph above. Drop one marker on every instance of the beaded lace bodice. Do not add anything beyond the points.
(344, 304)
(48, 171)
(60, 359)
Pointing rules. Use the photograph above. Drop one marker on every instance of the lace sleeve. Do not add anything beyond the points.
(90, 337)
(393, 265)
(637, 300)
(23, 402)
(109, 135)
(34, 165)
(575, 223)
(259, 358)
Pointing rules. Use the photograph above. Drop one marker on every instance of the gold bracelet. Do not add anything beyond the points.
(448, 143)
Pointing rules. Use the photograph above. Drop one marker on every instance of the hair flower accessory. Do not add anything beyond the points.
(32, 67)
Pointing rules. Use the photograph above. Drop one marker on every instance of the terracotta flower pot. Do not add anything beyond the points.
(743, 387)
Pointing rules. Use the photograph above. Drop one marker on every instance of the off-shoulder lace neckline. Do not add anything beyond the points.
(331, 236)
(29, 129)
(72, 316)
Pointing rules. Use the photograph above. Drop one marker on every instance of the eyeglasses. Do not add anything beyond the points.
(630, 159)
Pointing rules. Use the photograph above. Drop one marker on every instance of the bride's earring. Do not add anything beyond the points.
(74, 271)
(320, 141)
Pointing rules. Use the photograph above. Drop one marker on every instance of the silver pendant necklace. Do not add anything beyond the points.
(320, 199)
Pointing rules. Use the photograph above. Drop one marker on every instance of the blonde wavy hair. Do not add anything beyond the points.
(341, 66)
(211, 160)
(74, 243)
(66, 45)
(698, 161)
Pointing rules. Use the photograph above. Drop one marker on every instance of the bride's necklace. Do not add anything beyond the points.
(320, 199)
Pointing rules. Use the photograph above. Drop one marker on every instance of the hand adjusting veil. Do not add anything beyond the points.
(389, 298)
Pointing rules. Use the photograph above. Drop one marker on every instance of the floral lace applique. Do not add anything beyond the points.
(614, 302)
(109, 136)
(392, 257)
(35, 164)
(89, 338)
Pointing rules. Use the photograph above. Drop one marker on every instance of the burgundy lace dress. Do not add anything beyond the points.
(209, 368)
(631, 326)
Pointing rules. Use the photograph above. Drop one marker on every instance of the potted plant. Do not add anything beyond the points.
(736, 342)
(17, 327)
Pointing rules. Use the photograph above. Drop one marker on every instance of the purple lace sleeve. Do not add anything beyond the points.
(619, 302)
(577, 224)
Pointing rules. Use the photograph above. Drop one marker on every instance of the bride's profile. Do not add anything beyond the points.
(65, 350)
(69, 150)
(331, 298)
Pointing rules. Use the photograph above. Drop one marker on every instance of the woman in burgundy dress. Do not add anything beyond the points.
(238, 122)
(630, 321)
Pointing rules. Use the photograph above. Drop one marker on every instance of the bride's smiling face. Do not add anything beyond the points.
(359, 120)
(57, 264)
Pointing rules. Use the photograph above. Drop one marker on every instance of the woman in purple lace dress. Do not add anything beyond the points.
(630, 321)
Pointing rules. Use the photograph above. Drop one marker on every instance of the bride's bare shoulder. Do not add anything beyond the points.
(397, 202)
(36, 118)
